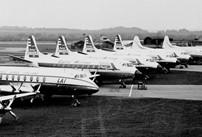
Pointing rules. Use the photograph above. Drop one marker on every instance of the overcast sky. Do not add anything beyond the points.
(97, 14)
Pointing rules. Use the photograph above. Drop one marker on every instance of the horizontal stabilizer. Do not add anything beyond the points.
(80, 52)
(15, 58)
(55, 56)
(107, 49)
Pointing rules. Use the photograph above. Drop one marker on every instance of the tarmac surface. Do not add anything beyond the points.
(161, 110)
(187, 92)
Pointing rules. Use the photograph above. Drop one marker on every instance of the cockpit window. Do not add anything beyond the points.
(185, 53)
(127, 64)
(80, 76)
(151, 59)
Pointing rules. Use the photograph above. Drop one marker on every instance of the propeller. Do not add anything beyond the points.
(8, 108)
(17, 90)
(36, 91)
(14, 115)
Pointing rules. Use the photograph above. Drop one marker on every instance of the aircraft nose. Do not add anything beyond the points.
(92, 89)
(191, 59)
(139, 75)
(160, 69)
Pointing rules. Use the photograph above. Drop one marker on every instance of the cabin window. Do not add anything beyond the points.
(6, 77)
(31, 78)
(13, 77)
(24, 78)
(37, 79)
(76, 76)
(18, 77)
(44, 79)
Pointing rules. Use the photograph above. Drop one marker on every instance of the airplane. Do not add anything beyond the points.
(162, 53)
(49, 81)
(7, 101)
(139, 62)
(165, 62)
(195, 52)
(63, 58)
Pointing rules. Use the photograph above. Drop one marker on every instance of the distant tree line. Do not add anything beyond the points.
(51, 34)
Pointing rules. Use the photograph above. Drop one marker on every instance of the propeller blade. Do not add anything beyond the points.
(13, 87)
(20, 86)
(36, 90)
(11, 101)
(0, 120)
(14, 115)
(32, 99)
(17, 90)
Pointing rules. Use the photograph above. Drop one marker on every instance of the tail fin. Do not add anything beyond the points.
(32, 50)
(118, 45)
(61, 47)
(166, 43)
(137, 44)
(88, 45)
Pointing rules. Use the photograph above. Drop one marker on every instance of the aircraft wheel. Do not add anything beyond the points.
(89, 95)
(76, 103)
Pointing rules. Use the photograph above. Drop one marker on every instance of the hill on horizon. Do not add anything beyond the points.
(13, 33)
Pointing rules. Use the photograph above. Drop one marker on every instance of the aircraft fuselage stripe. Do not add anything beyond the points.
(37, 78)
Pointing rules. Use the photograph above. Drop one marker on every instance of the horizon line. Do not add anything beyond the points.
(149, 30)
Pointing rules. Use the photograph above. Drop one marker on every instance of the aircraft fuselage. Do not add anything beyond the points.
(52, 80)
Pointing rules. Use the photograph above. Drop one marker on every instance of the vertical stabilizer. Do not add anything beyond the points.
(32, 50)
(118, 45)
(61, 48)
(166, 43)
(88, 45)
(137, 44)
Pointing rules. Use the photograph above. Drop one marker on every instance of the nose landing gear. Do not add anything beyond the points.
(75, 101)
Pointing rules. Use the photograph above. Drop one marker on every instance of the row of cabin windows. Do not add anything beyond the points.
(24, 78)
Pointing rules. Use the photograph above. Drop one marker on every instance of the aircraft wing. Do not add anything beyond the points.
(4, 98)
(16, 88)
(20, 59)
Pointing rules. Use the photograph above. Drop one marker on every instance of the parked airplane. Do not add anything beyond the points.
(118, 46)
(7, 101)
(49, 81)
(108, 69)
(165, 54)
(141, 64)
(165, 62)
(195, 52)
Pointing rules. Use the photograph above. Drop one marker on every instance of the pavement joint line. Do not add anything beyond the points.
(83, 121)
(102, 127)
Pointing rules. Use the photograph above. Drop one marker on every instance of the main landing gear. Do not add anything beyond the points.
(185, 65)
(123, 84)
(75, 101)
